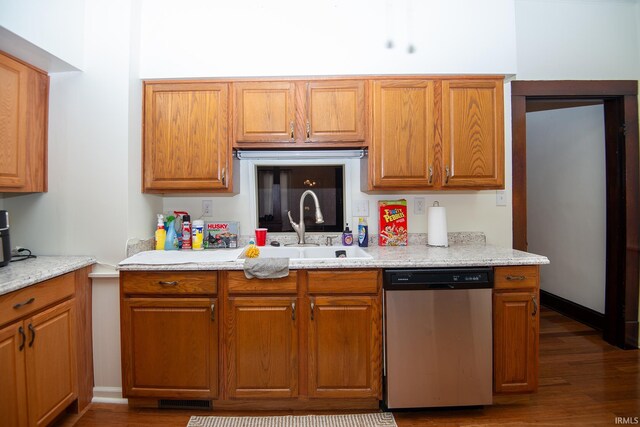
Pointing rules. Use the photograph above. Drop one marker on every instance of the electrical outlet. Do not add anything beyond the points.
(207, 207)
(419, 206)
(501, 198)
(360, 208)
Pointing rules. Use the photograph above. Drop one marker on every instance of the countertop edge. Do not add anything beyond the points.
(37, 273)
(454, 256)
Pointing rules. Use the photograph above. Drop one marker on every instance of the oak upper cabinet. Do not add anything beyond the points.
(187, 146)
(436, 134)
(473, 133)
(300, 114)
(402, 150)
(344, 338)
(265, 112)
(24, 97)
(516, 319)
(261, 337)
(169, 337)
(335, 112)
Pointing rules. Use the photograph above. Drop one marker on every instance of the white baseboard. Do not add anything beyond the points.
(108, 395)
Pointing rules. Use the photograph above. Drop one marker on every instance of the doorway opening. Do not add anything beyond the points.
(620, 102)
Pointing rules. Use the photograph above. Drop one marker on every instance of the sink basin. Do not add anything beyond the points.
(316, 252)
(278, 252)
(328, 252)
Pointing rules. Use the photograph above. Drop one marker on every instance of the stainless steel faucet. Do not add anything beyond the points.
(299, 227)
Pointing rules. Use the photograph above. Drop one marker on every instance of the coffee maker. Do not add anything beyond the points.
(5, 245)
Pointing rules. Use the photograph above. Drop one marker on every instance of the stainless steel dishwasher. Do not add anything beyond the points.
(438, 337)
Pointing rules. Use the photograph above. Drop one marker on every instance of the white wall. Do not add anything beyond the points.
(577, 39)
(50, 32)
(566, 201)
(200, 38)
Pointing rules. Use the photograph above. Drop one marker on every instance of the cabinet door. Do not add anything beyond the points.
(262, 347)
(473, 134)
(265, 112)
(13, 394)
(402, 150)
(515, 341)
(170, 347)
(345, 347)
(335, 111)
(186, 137)
(51, 365)
(23, 124)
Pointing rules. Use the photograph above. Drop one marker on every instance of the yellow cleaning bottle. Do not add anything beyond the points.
(161, 233)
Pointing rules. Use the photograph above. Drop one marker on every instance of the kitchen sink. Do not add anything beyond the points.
(316, 252)
(327, 252)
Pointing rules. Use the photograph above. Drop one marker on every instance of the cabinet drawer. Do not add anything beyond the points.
(516, 277)
(239, 284)
(28, 300)
(344, 282)
(169, 282)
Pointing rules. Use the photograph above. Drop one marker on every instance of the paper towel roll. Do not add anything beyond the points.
(437, 226)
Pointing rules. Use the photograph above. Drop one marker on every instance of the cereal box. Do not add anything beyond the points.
(221, 234)
(392, 226)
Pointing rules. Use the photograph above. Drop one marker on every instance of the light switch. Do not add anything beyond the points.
(501, 198)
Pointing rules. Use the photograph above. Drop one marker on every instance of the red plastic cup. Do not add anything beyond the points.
(261, 236)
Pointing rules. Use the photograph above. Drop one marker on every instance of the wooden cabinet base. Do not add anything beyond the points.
(275, 404)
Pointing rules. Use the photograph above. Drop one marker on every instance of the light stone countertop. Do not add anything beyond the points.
(20, 274)
(412, 256)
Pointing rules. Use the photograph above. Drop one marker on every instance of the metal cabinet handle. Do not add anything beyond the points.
(172, 283)
(293, 310)
(224, 176)
(446, 177)
(535, 306)
(213, 312)
(430, 174)
(308, 131)
(515, 278)
(33, 334)
(22, 304)
(24, 338)
(291, 128)
(312, 307)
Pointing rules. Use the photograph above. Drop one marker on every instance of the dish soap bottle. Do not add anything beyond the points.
(363, 233)
(347, 236)
(161, 233)
(171, 241)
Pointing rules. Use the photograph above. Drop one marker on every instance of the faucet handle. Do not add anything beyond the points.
(295, 226)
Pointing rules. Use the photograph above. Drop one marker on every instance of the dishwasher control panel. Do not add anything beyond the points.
(438, 278)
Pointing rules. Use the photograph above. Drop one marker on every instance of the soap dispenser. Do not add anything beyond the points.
(347, 236)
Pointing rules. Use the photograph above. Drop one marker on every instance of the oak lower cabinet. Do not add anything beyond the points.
(40, 358)
(169, 324)
(345, 334)
(187, 146)
(516, 319)
(262, 347)
(24, 91)
(261, 336)
(312, 335)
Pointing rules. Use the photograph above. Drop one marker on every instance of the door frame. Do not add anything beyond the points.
(620, 99)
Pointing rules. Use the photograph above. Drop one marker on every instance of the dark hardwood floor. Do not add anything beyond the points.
(583, 382)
